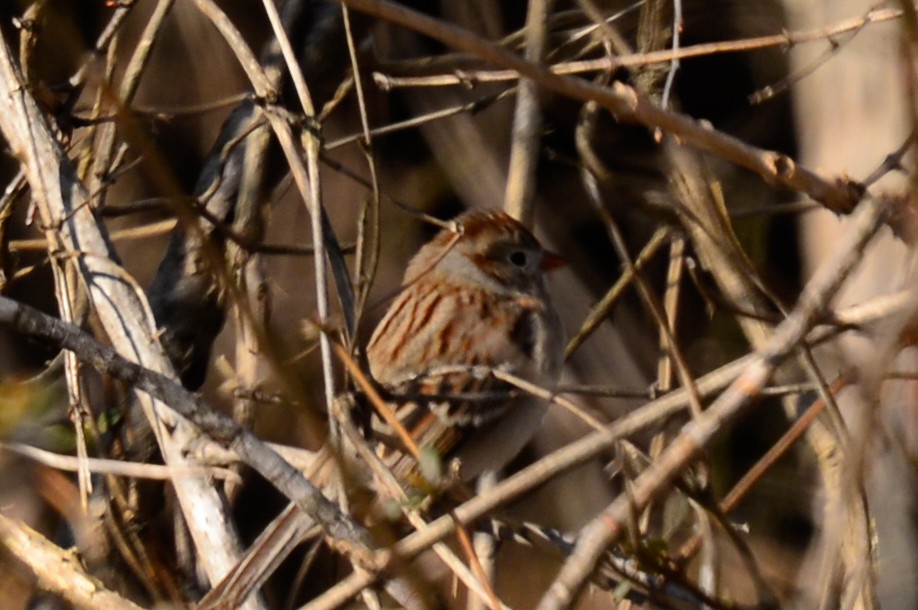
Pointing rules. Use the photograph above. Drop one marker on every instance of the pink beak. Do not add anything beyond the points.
(552, 261)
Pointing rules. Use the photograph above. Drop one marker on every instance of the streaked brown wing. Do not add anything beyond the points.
(438, 410)
(433, 353)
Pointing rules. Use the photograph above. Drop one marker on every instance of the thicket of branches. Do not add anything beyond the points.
(207, 205)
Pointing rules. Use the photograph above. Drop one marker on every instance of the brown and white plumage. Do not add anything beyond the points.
(470, 302)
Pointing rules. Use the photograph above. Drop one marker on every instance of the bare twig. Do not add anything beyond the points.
(527, 122)
(219, 428)
(307, 180)
(602, 531)
(602, 309)
(634, 60)
(418, 121)
(367, 259)
(121, 468)
(591, 445)
(839, 194)
(125, 316)
(102, 160)
(58, 571)
(678, 24)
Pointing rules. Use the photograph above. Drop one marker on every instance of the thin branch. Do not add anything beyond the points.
(220, 428)
(603, 308)
(526, 132)
(102, 159)
(678, 24)
(591, 445)
(785, 40)
(367, 260)
(125, 316)
(58, 571)
(840, 194)
(137, 470)
(310, 189)
(607, 526)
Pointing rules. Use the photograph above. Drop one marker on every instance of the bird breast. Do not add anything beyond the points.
(433, 324)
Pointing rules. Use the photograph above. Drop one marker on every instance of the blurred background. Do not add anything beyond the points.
(838, 103)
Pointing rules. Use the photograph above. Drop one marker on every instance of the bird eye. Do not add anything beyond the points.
(518, 258)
